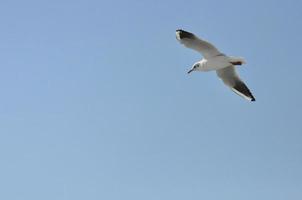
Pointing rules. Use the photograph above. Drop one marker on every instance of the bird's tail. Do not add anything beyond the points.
(236, 60)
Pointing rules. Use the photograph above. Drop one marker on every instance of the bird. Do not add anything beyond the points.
(213, 59)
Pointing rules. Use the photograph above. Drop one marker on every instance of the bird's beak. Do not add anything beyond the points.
(190, 71)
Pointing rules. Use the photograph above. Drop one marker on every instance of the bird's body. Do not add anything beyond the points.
(213, 59)
(216, 63)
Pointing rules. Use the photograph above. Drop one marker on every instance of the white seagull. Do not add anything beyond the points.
(215, 60)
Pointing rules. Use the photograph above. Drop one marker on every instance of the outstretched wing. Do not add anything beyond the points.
(231, 79)
(191, 41)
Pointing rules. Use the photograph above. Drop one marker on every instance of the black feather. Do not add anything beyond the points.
(185, 34)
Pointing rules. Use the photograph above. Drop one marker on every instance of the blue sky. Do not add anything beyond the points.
(96, 103)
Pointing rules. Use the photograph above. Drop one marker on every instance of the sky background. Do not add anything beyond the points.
(95, 102)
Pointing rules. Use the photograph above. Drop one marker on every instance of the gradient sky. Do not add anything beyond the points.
(96, 103)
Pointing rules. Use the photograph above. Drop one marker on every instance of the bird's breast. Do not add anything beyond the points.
(215, 63)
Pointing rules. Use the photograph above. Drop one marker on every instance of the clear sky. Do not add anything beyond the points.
(96, 103)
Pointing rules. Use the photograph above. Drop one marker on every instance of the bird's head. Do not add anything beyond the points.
(195, 67)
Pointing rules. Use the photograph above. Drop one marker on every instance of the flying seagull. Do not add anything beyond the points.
(213, 59)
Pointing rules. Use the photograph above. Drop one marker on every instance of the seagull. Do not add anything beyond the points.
(213, 59)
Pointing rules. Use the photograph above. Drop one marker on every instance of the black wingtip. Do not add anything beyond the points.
(184, 34)
(243, 90)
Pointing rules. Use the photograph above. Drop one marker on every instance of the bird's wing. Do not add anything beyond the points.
(191, 41)
(229, 76)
